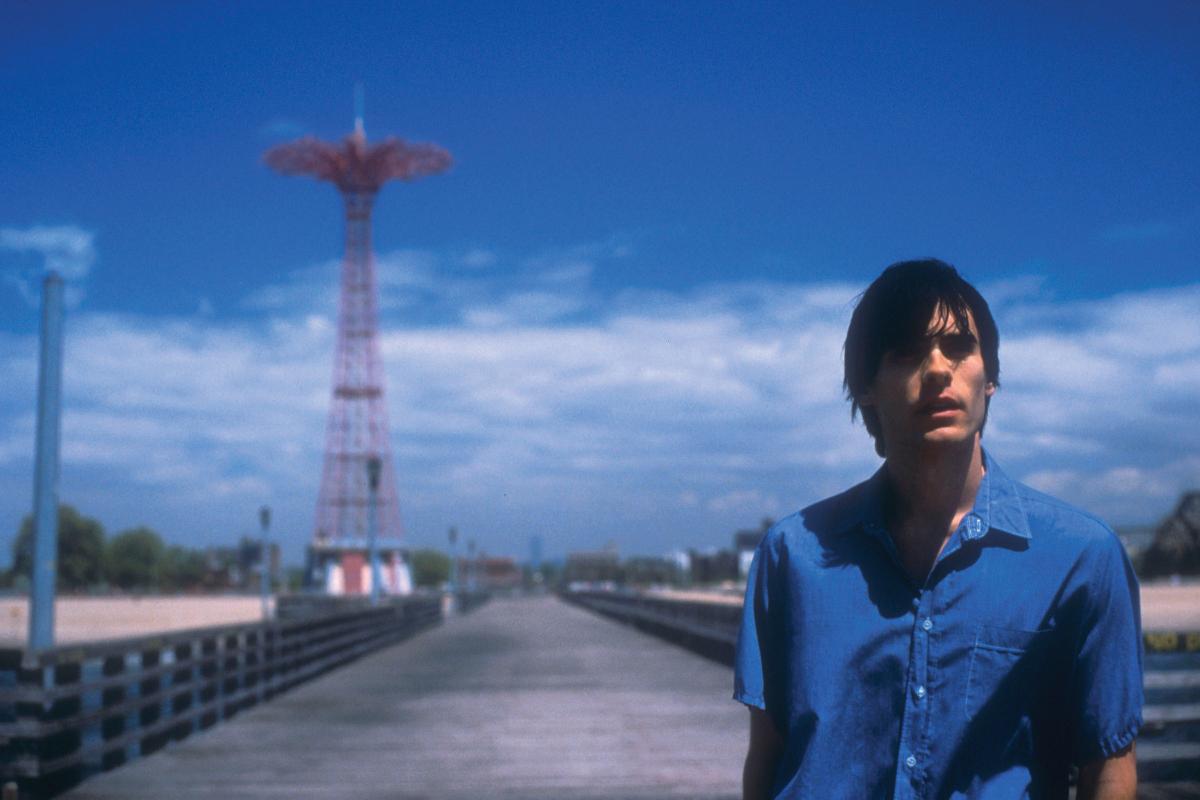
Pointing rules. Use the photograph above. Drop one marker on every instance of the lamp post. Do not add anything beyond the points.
(264, 521)
(452, 535)
(470, 565)
(374, 465)
(45, 476)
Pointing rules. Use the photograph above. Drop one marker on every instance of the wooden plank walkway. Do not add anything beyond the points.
(525, 698)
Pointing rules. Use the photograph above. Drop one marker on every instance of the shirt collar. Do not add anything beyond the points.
(998, 505)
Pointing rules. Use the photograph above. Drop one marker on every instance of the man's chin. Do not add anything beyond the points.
(948, 436)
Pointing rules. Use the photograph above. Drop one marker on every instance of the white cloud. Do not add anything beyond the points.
(478, 258)
(748, 502)
(524, 307)
(1157, 486)
(653, 419)
(66, 249)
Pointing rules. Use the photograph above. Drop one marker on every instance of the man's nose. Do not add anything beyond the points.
(937, 367)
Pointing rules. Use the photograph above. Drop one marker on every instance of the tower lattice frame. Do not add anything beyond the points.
(357, 428)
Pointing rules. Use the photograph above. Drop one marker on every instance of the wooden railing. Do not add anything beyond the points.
(1169, 745)
(71, 711)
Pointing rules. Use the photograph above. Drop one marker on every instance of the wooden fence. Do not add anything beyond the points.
(74, 710)
(1168, 748)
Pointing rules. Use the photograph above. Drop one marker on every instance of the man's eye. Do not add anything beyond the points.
(909, 352)
(958, 346)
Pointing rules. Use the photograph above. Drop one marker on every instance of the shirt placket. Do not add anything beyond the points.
(913, 756)
(913, 751)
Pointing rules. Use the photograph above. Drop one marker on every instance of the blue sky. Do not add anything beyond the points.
(618, 317)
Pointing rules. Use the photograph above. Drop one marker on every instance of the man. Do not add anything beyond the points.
(940, 630)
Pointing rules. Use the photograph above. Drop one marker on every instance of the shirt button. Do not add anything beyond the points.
(927, 625)
(974, 527)
(920, 691)
(910, 762)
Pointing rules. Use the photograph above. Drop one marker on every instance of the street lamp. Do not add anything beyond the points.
(264, 521)
(374, 465)
(452, 534)
(470, 565)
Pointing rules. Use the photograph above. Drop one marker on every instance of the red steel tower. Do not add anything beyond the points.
(357, 428)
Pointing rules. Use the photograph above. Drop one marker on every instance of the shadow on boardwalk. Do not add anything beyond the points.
(525, 698)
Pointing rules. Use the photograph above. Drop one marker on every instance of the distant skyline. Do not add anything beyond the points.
(619, 316)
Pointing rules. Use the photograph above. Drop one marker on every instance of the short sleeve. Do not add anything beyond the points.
(1107, 680)
(756, 644)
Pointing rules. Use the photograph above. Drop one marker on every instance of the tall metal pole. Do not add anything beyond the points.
(470, 565)
(374, 466)
(453, 535)
(264, 520)
(45, 476)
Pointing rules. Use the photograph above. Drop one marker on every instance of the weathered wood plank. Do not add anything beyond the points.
(523, 699)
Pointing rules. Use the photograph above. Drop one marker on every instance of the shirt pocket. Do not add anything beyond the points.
(1003, 671)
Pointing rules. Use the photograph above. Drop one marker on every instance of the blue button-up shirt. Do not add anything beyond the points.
(1018, 656)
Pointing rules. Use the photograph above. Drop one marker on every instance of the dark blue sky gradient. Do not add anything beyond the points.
(776, 142)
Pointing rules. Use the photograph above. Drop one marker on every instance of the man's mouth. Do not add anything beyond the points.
(940, 405)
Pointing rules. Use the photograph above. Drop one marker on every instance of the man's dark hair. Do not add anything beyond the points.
(894, 312)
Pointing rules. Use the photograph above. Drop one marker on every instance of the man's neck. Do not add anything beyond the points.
(931, 490)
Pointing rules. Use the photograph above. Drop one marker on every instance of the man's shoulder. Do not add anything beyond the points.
(1054, 519)
(1048, 513)
(828, 517)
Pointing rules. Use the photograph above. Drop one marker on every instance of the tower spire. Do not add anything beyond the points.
(359, 102)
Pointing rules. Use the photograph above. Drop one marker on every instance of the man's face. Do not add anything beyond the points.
(934, 391)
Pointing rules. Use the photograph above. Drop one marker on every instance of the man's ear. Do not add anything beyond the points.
(865, 400)
(988, 390)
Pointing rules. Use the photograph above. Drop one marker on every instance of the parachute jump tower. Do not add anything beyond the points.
(357, 501)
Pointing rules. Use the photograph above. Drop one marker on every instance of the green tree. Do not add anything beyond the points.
(430, 568)
(183, 569)
(293, 579)
(80, 550)
(135, 559)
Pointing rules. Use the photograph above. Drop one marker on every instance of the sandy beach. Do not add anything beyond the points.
(1165, 607)
(87, 618)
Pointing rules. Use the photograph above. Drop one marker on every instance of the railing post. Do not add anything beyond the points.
(67, 741)
(184, 681)
(231, 675)
(114, 726)
(210, 688)
(255, 652)
(28, 712)
(149, 712)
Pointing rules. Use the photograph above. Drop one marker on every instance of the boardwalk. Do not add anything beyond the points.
(525, 699)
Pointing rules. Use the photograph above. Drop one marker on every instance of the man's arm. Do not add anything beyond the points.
(1110, 778)
(766, 745)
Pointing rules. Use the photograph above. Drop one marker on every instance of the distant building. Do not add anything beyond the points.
(681, 561)
(499, 573)
(650, 571)
(341, 567)
(1175, 549)
(714, 566)
(592, 567)
(745, 542)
